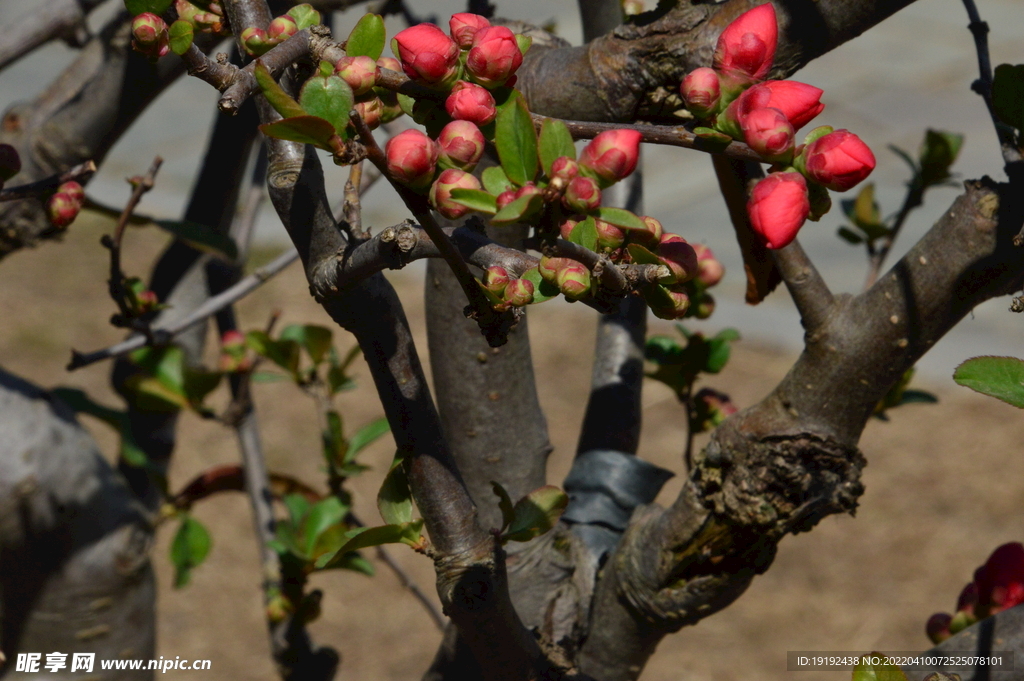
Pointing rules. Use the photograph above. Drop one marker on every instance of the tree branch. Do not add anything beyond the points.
(810, 293)
(55, 19)
(80, 173)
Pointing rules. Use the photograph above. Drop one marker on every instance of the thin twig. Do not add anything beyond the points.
(810, 293)
(218, 73)
(79, 173)
(675, 136)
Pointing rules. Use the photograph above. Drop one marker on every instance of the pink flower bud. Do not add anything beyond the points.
(528, 189)
(281, 28)
(550, 267)
(389, 63)
(147, 301)
(494, 57)
(582, 194)
(149, 33)
(564, 168)
(839, 160)
(441, 192)
(709, 270)
(412, 157)
(231, 339)
(10, 162)
(73, 190)
(937, 627)
(205, 21)
(612, 155)
(769, 133)
(778, 207)
(427, 54)
(679, 257)
(255, 41)
(670, 305)
(701, 92)
(704, 307)
(565, 229)
(519, 292)
(461, 144)
(464, 26)
(747, 45)
(359, 72)
(505, 198)
(470, 102)
(496, 279)
(573, 281)
(650, 237)
(370, 109)
(62, 209)
(609, 237)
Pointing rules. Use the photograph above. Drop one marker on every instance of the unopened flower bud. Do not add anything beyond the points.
(747, 45)
(609, 237)
(519, 292)
(74, 190)
(709, 270)
(464, 26)
(769, 133)
(470, 102)
(505, 198)
(701, 92)
(549, 267)
(778, 207)
(147, 300)
(705, 307)
(573, 281)
(281, 28)
(359, 72)
(427, 54)
(563, 169)
(412, 157)
(370, 109)
(651, 236)
(679, 257)
(494, 56)
(391, 109)
(149, 33)
(612, 155)
(461, 145)
(839, 160)
(582, 194)
(669, 304)
(62, 209)
(565, 229)
(441, 192)
(496, 279)
(937, 627)
(255, 41)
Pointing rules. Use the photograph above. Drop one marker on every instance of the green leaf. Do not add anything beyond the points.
(865, 209)
(266, 377)
(201, 237)
(334, 442)
(302, 129)
(180, 35)
(918, 397)
(516, 140)
(366, 435)
(999, 377)
(189, 549)
(585, 234)
(522, 207)
(298, 506)
(536, 513)
(818, 133)
(938, 152)
(524, 42)
(367, 38)
(199, 383)
(81, 403)
(662, 350)
(620, 217)
(137, 7)
(407, 104)
(394, 500)
(278, 98)
(1008, 95)
(159, 384)
(304, 15)
(337, 379)
(712, 136)
(315, 340)
(353, 561)
(849, 236)
(906, 158)
(496, 181)
(476, 199)
(364, 537)
(321, 516)
(865, 671)
(330, 99)
(642, 256)
(718, 355)
(543, 290)
(283, 353)
(505, 504)
(555, 142)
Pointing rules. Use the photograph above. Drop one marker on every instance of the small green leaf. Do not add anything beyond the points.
(712, 136)
(321, 516)
(850, 236)
(662, 350)
(407, 104)
(394, 500)
(302, 129)
(585, 234)
(180, 35)
(496, 181)
(505, 504)
(865, 209)
(642, 256)
(620, 217)
(199, 383)
(189, 549)
(476, 199)
(543, 290)
(201, 237)
(938, 152)
(918, 397)
(159, 385)
(906, 158)
(516, 140)
(999, 377)
(267, 377)
(315, 340)
(524, 42)
(536, 513)
(304, 15)
(364, 537)
(330, 99)
(81, 403)
(278, 98)
(866, 671)
(137, 7)
(522, 207)
(298, 506)
(1008, 95)
(818, 133)
(366, 435)
(718, 355)
(353, 561)
(334, 443)
(555, 142)
(367, 38)
(283, 353)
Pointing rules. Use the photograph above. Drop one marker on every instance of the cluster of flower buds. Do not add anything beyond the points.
(64, 205)
(731, 97)
(234, 355)
(508, 291)
(258, 41)
(204, 17)
(998, 585)
(149, 35)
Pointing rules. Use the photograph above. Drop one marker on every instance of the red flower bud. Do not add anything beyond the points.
(370, 109)
(359, 72)
(528, 189)
(747, 45)
(494, 57)
(74, 190)
(62, 209)
(427, 54)
(679, 257)
(937, 627)
(464, 26)
(609, 237)
(150, 35)
(1001, 579)
(778, 207)
(461, 144)
(701, 92)
(412, 157)
(496, 279)
(709, 270)
(281, 28)
(798, 102)
(519, 292)
(505, 198)
(573, 281)
(470, 102)
(232, 338)
(441, 192)
(582, 194)
(769, 133)
(839, 160)
(675, 307)
(564, 168)
(612, 155)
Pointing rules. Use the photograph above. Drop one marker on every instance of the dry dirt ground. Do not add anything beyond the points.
(944, 487)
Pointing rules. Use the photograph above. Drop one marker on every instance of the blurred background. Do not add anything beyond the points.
(944, 481)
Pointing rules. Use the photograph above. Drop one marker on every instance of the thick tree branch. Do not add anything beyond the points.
(809, 291)
(56, 19)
